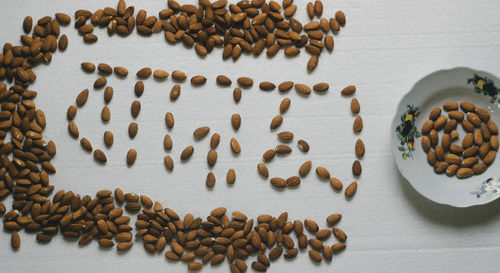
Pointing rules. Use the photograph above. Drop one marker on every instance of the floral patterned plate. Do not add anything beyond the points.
(458, 84)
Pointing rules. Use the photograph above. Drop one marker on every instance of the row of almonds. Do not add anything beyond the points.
(104, 218)
(247, 26)
(202, 132)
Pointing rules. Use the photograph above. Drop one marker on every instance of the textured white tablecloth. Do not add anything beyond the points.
(385, 47)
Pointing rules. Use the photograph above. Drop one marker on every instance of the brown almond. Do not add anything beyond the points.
(211, 158)
(236, 121)
(450, 106)
(194, 266)
(81, 99)
(340, 17)
(73, 129)
(478, 137)
(453, 159)
(105, 114)
(179, 76)
(454, 135)
(108, 138)
(100, 82)
(278, 182)
(492, 126)
(315, 256)
(494, 142)
(322, 172)
(283, 149)
(321, 87)
(452, 170)
(305, 168)
(267, 86)
(187, 152)
(472, 151)
(470, 162)
(440, 167)
(351, 189)
(28, 24)
(210, 180)
(312, 63)
(144, 73)
(86, 145)
(245, 81)
(358, 124)
(336, 183)
(484, 149)
(456, 115)
(100, 156)
(133, 128)
(463, 173)
(427, 126)
(214, 141)
(201, 132)
(479, 168)
(198, 80)
(169, 120)
(71, 112)
(223, 80)
(285, 86)
(160, 74)
(135, 108)
(276, 122)
(230, 176)
(356, 168)
(467, 141)
(445, 142)
(131, 156)
(235, 146)
(169, 163)
(268, 155)
(355, 107)
(284, 105)
(237, 94)
(139, 88)
(120, 71)
(450, 126)
(467, 125)
(359, 148)
(285, 136)
(175, 92)
(348, 90)
(293, 181)
(440, 122)
(435, 113)
(15, 240)
(467, 106)
(333, 219)
(489, 157)
(483, 114)
(302, 89)
(108, 94)
(303, 145)
(426, 143)
(474, 119)
(104, 68)
(262, 168)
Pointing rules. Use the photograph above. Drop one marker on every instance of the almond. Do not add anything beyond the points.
(479, 168)
(285, 136)
(105, 114)
(236, 121)
(440, 122)
(167, 142)
(262, 168)
(450, 126)
(305, 168)
(267, 86)
(351, 189)
(468, 126)
(469, 162)
(323, 172)
(427, 126)
(453, 159)
(201, 132)
(356, 168)
(358, 124)
(268, 155)
(245, 81)
(71, 112)
(450, 106)
(293, 181)
(355, 107)
(435, 113)
(489, 157)
(179, 76)
(440, 167)
(467, 106)
(73, 129)
(214, 141)
(478, 137)
(230, 176)
(348, 90)
(120, 71)
(285, 86)
(494, 142)
(336, 183)
(431, 158)
(492, 127)
(278, 182)
(235, 146)
(456, 115)
(474, 119)
(15, 240)
(445, 142)
(483, 114)
(276, 122)
(211, 158)
(131, 157)
(315, 256)
(175, 92)
(81, 99)
(463, 173)
(100, 82)
(169, 120)
(340, 234)
(169, 163)
(484, 149)
(198, 80)
(108, 94)
(144, 73)
(471, 151)
(467, 141)
(452, 170)
(187, 153)
(133, 128)
(223, 80)
(340, 17)
(100, 156)
(283, 149)
(338, 247)
(321, 87)
(85, 143)
(284, 105)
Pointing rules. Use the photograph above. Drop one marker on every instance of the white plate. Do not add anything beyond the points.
(430, 92)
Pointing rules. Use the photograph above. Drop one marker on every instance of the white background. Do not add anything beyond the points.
(385, 48)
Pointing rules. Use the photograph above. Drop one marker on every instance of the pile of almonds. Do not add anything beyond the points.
(25, 160)
(479, 144)
(247, 26)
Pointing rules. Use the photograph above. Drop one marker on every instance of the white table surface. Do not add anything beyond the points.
(385, 47)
